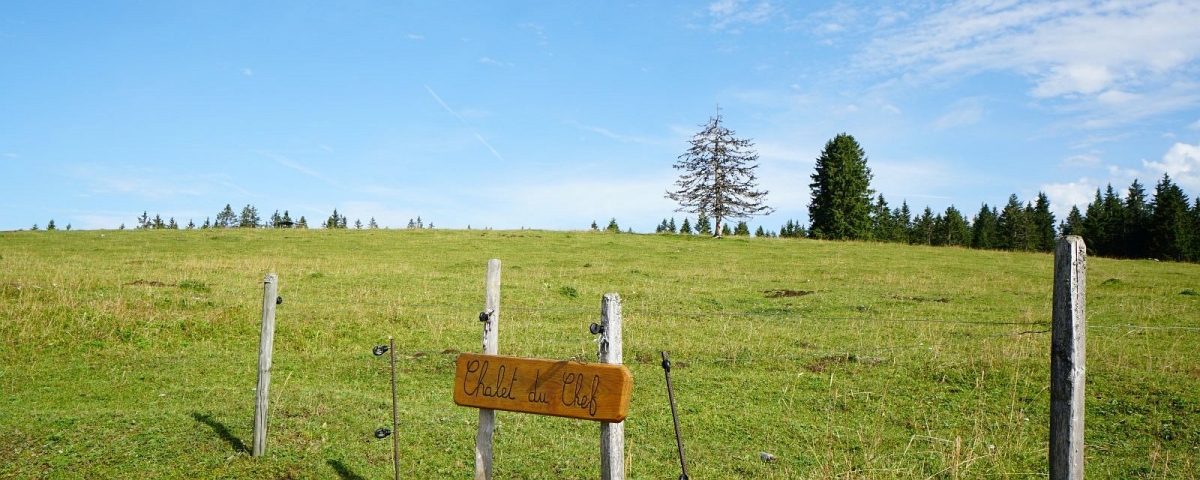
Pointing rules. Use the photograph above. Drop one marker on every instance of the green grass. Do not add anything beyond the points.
(133, 354)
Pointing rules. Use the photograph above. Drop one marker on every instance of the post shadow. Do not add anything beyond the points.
(221, 431)
(343, 472)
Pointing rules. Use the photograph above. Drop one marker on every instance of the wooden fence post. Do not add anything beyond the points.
(487, 417)
(612, 435)
(266, 344)
(1067, 359)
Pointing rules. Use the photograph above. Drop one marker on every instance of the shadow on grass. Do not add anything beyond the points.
(221, 431)
(343, 472)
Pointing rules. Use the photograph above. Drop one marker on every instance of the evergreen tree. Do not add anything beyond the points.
(1042, 221)
(662, 227)
(904, 222)
(685, 228)
(595, 228)
(718, 176)
(333, 220)
(841, 192)
(760, 233)
(671, 225)
(226, 218)
(1171, 222)
(357, 224)
(984, 229)
(50, 226)
(612, 226)
(725, 231)
(372, 225)
(420, 224)
(951, 229)
(922, 232)
(191, 225)
(34, 228)
(1073, 225)
(302, 223)
(1012, 228)
(157, 223)
(703, 227)
(172, 225)
(207, 224)
(68, 227)
(122, 227)
(275, 220)
(1136, 222)
(249, 217)
(286, 221)
(742, 229)
(882, 222)
(412, 224)
(143, 221)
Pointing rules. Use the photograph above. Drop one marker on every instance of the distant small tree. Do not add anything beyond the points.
(703, 227)
(225, 218)
(158, 222)
(302, 223)
(1073, 225)
(206, 223)
(612, 226)
(671, 225)
(285, 221)
(122, 227)
(595, 228)
(983, 228)
(34, 227)
(143, 221)
(191, 225)
(172, 225)
(685, 228)
(742, 229)
(760, 233)
(249, 217)
(68, 227)
(50, 226)
(357, 224)
(725, 231)
(420, 224)
(923, 229)
(1042, 225)
(334, 220)
(372, 225)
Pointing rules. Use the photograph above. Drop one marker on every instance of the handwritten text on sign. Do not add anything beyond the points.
(591, 391)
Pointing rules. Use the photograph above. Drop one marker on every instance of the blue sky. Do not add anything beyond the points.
(555, 114)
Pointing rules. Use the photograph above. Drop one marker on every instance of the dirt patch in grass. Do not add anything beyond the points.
(786, 293)
(824, 363)
(918, 299)
(148, 283)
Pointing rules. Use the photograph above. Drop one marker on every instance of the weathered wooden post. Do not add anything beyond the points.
(612, 434)
(1067, 359)
(266, 344)
(487, 417)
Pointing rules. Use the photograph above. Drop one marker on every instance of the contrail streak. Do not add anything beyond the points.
(464, 121)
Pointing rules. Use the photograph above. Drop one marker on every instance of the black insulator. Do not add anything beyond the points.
(379, 350)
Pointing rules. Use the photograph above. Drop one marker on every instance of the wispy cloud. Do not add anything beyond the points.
(624, 138)
(413, 36)
(729, 14)
(1097, 56)
(14, 155)
(966, 111)
(297, 166)
(464, 122)
(492, 61)
(153, 183)
(247, 72)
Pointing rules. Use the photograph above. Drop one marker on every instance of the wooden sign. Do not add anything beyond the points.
(591, 391)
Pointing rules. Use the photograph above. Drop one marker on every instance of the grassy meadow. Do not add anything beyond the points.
(133, 354)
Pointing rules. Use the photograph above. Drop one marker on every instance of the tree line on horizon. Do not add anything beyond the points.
(718, 179)
(250, 218)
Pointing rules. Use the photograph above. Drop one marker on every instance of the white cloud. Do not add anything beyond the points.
(491, 61)
(14, 155)
(892, 109)
(728, 13)
(413, 36)
(1182, 163)
(625, 138)
(1194, 126)
(1063, 196)
(1093, 55)
(325, 147)
(965, 111)
(154, 183)
(247, 72)
(1089, 160)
